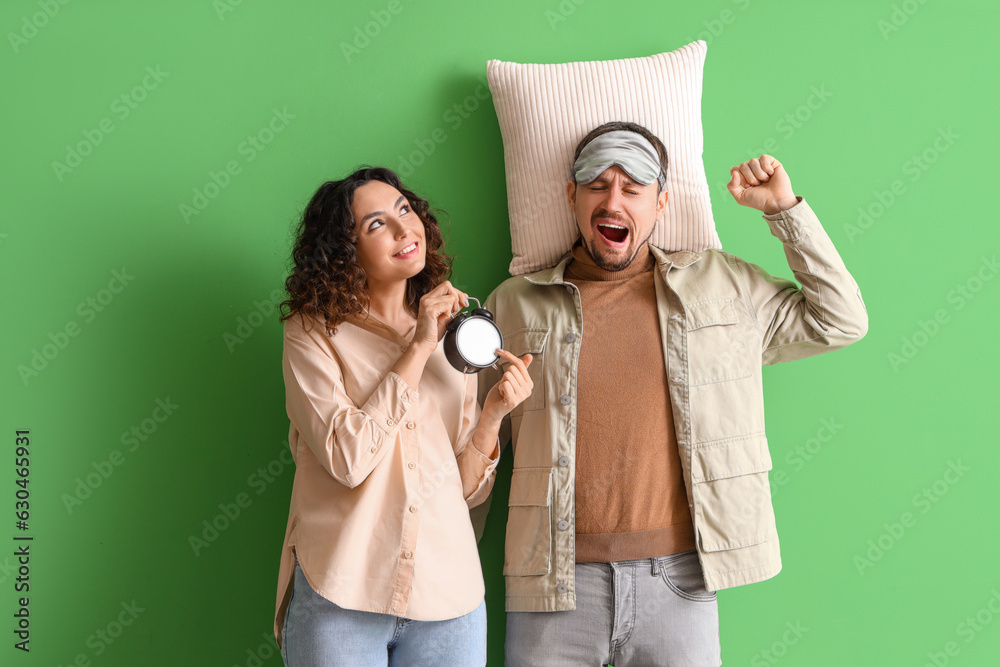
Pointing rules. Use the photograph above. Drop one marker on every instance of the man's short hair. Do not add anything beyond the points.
(624, 126)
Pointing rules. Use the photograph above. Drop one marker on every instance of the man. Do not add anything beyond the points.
(640, 461)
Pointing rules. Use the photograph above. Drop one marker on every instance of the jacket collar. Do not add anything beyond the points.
(554, 275)
(679, 260)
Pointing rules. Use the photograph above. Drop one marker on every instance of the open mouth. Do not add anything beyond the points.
(612, 232)
(407, 252)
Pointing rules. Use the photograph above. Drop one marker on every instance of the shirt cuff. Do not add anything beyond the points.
(793, 223)
(392, 399)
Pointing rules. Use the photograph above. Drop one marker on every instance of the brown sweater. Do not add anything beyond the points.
(630, 496)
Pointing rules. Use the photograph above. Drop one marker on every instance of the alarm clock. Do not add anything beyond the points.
(471, 340)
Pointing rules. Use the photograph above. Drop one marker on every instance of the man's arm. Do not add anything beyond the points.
(827, 312)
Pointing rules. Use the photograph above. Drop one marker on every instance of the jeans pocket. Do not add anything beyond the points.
(683, 575)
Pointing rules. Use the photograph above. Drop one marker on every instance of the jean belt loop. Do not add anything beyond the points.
(655, 566)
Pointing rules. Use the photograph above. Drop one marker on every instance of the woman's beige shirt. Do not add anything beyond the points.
(385, 475)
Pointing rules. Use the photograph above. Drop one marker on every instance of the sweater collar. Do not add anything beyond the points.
(584, 267)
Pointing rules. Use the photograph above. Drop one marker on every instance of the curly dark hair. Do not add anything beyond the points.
(326, 278)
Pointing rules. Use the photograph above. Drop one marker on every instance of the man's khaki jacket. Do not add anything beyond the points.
(721, 320)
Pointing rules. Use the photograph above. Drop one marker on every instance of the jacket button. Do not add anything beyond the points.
(570, 337)
(565, 400)
(561, 588)
(564, 461)
(563, 525)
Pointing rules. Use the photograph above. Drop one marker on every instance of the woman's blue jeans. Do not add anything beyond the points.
(318, 633)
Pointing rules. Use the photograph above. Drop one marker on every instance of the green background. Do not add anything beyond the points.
(894, 77)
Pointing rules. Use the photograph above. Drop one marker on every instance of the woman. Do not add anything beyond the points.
(379, 564)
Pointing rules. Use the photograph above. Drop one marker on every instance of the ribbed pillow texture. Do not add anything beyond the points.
(545, 110)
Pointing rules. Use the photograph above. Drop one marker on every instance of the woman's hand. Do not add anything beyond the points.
(436, 309)
(512, 389)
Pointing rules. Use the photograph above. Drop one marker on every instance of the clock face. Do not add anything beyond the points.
(477, 340)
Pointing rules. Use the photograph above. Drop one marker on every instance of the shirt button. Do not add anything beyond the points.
(561, 588)
(406, 398)
(390, 422)
(374, 448)
(413, 509)
(563, 525)
(407, 554)
(411, 425)
(565, 400)
(411, 465)
(402, 348)
(675, 380)
(564, 461)
(570, 337)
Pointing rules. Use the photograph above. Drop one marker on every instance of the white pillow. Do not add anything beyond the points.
(544, 112)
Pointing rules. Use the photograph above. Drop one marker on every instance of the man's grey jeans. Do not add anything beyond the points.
(648, 612)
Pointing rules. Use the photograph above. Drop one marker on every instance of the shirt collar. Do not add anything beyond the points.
(554, 275)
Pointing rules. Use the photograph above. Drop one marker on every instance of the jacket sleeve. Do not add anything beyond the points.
(477, 470)
(347, 440)
(825, 313)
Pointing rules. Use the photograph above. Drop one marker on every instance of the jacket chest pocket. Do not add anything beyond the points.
(529, 341)
(528, 547)
(717, 350)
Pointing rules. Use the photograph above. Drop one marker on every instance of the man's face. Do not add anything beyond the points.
(615, 216)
